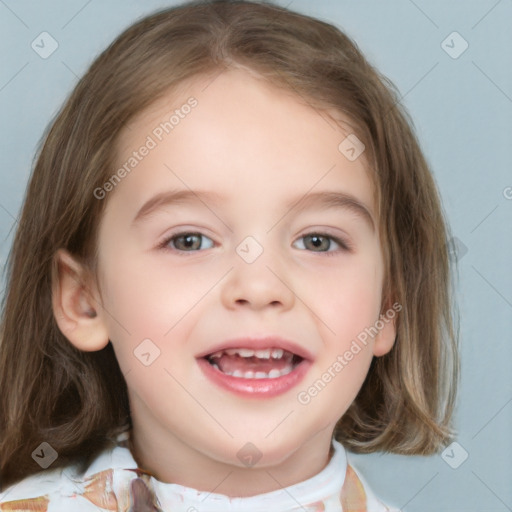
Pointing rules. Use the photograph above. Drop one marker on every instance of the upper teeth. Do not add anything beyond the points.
(275, 353)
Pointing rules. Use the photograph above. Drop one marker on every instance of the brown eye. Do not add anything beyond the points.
(322, 242)
(187, 242)
(318, 243)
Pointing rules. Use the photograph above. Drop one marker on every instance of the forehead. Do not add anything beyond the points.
(243, 135)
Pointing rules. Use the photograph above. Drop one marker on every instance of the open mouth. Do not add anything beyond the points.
(246, 363)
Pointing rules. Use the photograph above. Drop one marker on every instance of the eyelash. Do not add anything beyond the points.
(343, 244)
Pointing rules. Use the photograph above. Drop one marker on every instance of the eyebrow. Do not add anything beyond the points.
(175, 197)
(340, 200)
(323, 199)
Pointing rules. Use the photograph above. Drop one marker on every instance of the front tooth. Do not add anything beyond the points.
(273, 374)
(238, 373)
(286, 370)
(263, 354)
(277, 353)
(249, 375)
(245, 352)
(261, 375)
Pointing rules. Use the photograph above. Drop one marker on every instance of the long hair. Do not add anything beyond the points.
(77, 401)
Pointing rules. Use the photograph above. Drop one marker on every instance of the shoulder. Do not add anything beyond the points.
(65, 489)
(373, 503)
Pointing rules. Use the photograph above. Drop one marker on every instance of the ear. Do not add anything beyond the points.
(385, 339)
(76, 304)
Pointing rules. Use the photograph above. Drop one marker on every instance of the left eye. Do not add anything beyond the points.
(318, 242)
(188, 242)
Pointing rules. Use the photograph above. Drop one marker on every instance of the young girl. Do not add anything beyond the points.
(231, 266)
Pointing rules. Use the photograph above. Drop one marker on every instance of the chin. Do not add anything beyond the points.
(262, 453)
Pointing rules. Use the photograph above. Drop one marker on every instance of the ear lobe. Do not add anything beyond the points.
(385, 339)
(75, 304)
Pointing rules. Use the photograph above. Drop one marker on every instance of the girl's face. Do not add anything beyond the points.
(239, 215)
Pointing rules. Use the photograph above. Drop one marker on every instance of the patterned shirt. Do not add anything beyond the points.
(113, 482)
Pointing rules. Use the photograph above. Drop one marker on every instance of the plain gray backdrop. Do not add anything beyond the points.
(461, 102)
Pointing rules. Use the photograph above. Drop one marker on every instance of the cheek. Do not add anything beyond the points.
(348, 299)
(146, 301)
(348, 304)
(336, 382)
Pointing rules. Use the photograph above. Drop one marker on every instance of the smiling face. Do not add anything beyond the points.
(244, 221)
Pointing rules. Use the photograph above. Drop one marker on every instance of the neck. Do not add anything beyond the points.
(170, 460)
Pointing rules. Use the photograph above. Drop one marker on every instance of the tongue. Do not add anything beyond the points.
(235, 362)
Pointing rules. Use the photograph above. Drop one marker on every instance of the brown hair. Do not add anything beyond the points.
(77, 401)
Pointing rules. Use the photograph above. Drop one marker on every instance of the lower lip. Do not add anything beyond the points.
(260, 388)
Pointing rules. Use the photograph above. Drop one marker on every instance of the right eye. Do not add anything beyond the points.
(186, 242)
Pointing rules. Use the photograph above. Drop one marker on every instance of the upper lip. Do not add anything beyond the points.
(259, 343)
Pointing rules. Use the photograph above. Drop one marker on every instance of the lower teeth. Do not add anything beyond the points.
(272, 374)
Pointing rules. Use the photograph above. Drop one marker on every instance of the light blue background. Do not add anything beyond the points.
(462, 109)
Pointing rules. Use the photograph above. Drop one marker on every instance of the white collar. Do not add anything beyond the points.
(323, 489)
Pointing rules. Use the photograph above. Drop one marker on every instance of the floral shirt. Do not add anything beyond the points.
(113, 482)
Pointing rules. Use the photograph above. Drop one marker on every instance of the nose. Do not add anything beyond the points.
(258, 285)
